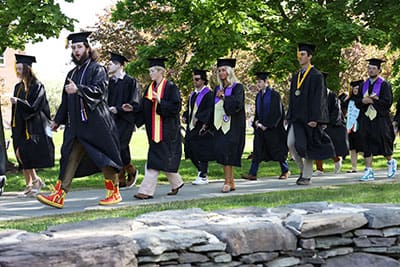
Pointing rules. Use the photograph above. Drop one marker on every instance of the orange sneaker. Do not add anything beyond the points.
(55, 199)
(112, 194)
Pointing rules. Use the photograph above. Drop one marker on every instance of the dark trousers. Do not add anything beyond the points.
(254, 167)
(202, 167)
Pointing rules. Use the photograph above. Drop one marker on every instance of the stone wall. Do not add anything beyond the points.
(306, 234)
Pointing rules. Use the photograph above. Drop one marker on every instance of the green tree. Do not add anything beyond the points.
(195, 33)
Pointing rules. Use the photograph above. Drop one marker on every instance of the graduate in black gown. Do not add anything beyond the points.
(124, 100)
(270, 136)
(353, 123)
(199, 140)
(90, 142)
(307, 116)
(161, 107)
(30, 125)
(336, 129)
(229, 121)
(377, 134)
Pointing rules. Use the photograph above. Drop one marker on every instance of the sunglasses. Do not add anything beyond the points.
(197, 79)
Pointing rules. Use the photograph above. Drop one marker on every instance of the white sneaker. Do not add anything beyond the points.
(200, 180)
(368, 175)
(392, 168)
(38, 184)
(338, 166)
(318, 173)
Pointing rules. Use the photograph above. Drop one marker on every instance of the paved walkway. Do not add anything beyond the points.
(15, 206)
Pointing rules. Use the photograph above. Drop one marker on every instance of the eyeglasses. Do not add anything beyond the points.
(196, 79)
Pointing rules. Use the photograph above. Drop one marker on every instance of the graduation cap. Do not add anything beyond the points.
(230, 62)
(355, 83)
(262, 75)
(119, 58)
(160, 62)
(24, 59)
(79, 37)
(202, 73)
(376, 62)
(310, 48)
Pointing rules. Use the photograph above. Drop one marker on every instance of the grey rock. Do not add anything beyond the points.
(307, 243)
(361, 260)
(158, 258)
(189, 257)
(256, 237)
(392, 231)
(310, 207)
(328, 242)
(313, 260)
(383, 217)
(368, 232)
(259, 257)
(283, 262)
(348, 234)
(301, 253)
(155, 242)
(209, 247)
(11, 237)
(363, 242)
(294, 223)
(335, 252)
(225, 257)
(90, 251)
(330, 224)
(379, 250)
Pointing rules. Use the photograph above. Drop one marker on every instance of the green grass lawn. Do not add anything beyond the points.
(139, 147)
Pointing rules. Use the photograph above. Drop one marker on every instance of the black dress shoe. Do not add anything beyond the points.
(175, 191)
(303, 181)
(142, 196)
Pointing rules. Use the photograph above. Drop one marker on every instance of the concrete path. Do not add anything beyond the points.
(15, 206)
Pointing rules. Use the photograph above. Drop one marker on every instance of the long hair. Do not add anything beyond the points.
(28, 76)
(93, 55)
(231, 79)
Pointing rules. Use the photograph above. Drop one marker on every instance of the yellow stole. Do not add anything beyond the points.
(156, 120)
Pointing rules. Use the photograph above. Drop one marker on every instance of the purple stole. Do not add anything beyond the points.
(228, 92)
(377, 86)
(200, 96)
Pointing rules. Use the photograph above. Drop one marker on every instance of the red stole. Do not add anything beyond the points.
(156, 120)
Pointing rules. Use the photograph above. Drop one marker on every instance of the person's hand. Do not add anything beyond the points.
(312, 124)
(156, 96)
(127, 107)
(71, 87)
(367, 100)
(220, 94)
(54, 126)
(14, 100)
(113, 110)
(374, 97)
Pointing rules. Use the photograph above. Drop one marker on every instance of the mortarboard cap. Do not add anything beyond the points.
(310, 48)
(160, 62)
(202, 73)
(24, 59)
(262, 75)
(119, 58)
(231, 62)
(375, 61)
(79, 37)
(355, 83)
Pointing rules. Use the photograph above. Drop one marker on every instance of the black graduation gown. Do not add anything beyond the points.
(270, 144)
(200, 146)
(355, 142)
(336, 128)
(165, 155)
(377, 135)
(121, 91)
(310, 105)
(87, 119)
(229, 147)
(30, 118)
(3, 150)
